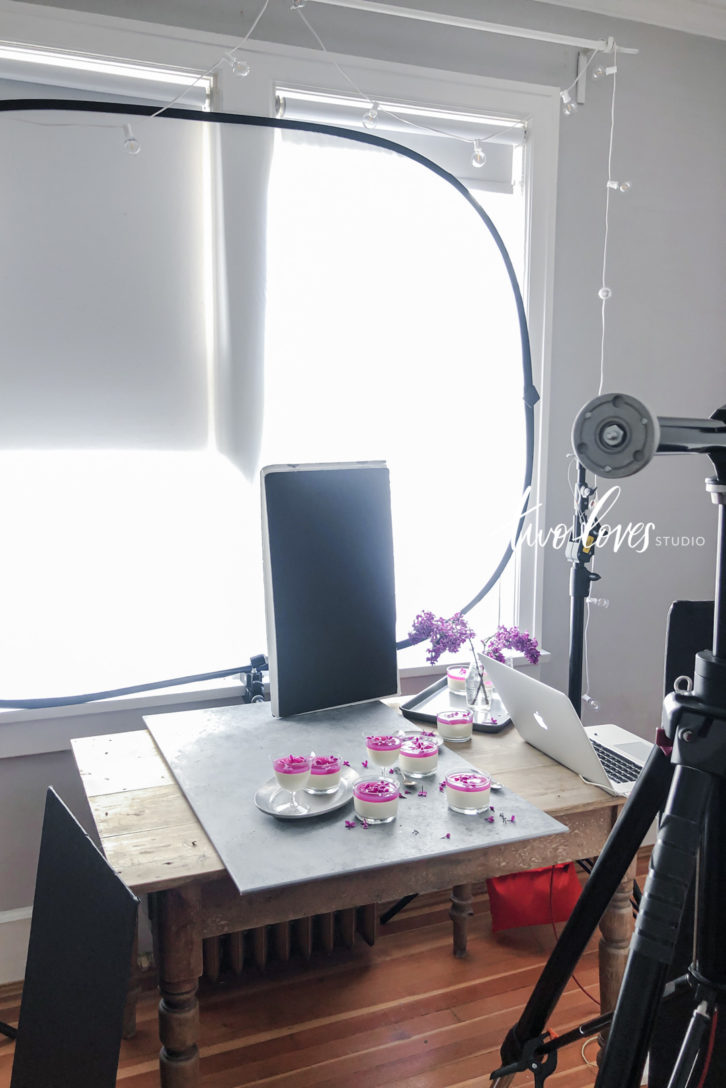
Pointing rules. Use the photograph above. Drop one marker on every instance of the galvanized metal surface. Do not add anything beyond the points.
(221, 756)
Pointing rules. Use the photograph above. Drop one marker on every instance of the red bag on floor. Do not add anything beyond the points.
(533, 898)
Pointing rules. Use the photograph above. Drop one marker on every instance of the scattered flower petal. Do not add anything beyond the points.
(422, 792)
(364, 763)
(447, 835)
(346, 763)
(350, 824)
(512, 819)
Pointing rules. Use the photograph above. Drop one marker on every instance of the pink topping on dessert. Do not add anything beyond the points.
(292, 764)
(381, 790)
(325, 764)
(468, 782)
(455, 717)
(419, 747)
(458, 672)
(383, 744)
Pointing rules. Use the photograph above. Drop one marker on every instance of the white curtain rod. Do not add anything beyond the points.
(603, 46)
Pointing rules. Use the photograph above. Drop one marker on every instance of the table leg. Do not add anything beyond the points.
(178, 949)
(461, 908)
(616, 927)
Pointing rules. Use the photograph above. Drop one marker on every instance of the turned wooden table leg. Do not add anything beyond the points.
(178, 948)
(459, 912)
(616, 927)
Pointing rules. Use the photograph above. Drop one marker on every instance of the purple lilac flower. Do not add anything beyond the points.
(350, 824)
(422, 792)
(445, 635)
(511, 638)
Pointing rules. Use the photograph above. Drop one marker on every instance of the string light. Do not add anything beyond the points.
(600, 72)
(131, 144)
(568, 106)
(479, 157)
(621, 186)
(296, 5)
(370, 118)
(239, 66)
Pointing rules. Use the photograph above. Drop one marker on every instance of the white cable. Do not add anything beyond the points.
(581, 75)
(608, 190)
(369, 100)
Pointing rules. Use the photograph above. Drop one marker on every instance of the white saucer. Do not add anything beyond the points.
(273, 800)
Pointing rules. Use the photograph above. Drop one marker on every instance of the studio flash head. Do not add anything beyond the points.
(615, 435)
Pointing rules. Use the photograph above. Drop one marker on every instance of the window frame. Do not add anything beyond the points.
(273, 64)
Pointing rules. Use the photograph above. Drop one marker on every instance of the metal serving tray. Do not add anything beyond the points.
(427, 704)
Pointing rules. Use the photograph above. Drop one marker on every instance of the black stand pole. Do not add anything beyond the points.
(580, 552)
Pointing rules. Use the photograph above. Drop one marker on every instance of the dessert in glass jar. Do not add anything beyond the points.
(383, 750)
(468, 792)
(456, 678)
(324, 774)
(419, 756)
(455, 726)
(375, 800)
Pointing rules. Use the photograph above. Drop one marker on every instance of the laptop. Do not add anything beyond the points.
(602, 755)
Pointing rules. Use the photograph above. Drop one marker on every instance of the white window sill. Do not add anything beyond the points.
(40, 731)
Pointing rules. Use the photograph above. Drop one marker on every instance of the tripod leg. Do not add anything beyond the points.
(671, 869)
(687, 1064)
(641, 808)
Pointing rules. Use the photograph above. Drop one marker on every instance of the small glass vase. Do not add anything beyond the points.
(477, 687)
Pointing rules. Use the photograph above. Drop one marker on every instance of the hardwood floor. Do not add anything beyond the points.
(404, 1012)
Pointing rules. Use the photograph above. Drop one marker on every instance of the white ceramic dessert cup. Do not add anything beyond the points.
(383, 750)
(324, 777)
(455, 726)
(418, 757)
(375, 800)
(291, 773)
(467, 792)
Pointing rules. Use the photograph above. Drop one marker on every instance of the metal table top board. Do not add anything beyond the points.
(221, 756)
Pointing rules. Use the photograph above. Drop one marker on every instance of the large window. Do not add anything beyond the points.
(150, 371)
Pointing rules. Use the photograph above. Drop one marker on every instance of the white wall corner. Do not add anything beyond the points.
(14, 936)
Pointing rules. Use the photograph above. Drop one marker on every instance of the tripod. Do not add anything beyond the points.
(685, 776)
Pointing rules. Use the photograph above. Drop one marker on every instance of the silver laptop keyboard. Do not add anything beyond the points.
(618, 768)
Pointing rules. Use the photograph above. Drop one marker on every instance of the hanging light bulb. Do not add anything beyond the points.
(604, 293)
(587, 698)
(239, 66)
(568, 106)
(370, 119)
(600, 72)
(296, 5)
(131, 144)
(621, 186)
(479, 157)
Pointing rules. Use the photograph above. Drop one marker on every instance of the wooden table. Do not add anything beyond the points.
(153, 840)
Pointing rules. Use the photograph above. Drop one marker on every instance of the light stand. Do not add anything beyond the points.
(616, 436)
(579, 553)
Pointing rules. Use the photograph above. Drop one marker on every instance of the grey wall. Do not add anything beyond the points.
(666, 325)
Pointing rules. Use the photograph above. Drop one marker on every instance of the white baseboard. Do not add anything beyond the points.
(14, 936)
